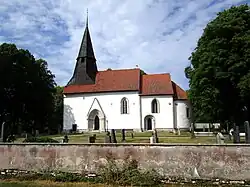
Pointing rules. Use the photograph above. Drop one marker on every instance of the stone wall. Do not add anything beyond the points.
(211, 161)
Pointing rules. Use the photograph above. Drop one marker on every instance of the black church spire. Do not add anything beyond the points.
(86, 48)
(85, 69)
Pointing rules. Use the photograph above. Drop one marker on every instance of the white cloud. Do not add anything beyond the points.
(158, 35)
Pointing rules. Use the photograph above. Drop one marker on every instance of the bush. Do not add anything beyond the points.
(40, 140)
(129, 174)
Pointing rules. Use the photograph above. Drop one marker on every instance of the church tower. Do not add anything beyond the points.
(85, 69)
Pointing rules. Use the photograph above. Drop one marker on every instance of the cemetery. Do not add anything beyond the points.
(200, 135)
(126, 127)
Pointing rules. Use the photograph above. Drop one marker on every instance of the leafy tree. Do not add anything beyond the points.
(26, 91)
(219, 73)
(57, 124)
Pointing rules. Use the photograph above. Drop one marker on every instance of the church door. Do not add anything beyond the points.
(149, 124)
(97, 123)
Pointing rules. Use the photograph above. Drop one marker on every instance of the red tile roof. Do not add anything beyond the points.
(110, 80)
(129, 80)
(179, 93)
(156, 84)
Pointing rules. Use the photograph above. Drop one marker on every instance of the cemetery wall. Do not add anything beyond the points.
(185, 161)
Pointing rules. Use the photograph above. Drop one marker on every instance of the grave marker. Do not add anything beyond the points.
(113, 137)
(236, 134)
(247, 131)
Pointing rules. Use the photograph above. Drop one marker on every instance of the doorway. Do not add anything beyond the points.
(149, 123)
(97, 123)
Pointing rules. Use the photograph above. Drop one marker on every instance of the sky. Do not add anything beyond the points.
(156, 35)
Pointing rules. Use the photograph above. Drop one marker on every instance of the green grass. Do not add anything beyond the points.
(46, 184)
(139, 137)
(70, 184)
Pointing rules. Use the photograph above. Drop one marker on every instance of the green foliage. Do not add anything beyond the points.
(28, 96)
(219, 73)
(57, 116)
(40, 140)
(128, 174)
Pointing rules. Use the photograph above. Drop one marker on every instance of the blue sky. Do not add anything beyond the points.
(156, 35)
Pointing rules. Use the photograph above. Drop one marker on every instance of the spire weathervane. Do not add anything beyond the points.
(87, 21)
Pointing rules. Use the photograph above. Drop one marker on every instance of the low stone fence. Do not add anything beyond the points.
(182, 161)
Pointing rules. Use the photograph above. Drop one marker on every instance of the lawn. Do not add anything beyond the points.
(138, 137)
(68, 184)
(46, 184)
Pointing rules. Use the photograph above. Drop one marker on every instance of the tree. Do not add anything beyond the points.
(57, 124)
(26, 91)
(219, 73)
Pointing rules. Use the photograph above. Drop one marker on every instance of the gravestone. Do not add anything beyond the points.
(155, 136)
(65, 139)
(2, 132)
(123, 135)
(236, 134)
(178, 132)
(220, 138)
(113, 137)
(92, 139)
(231, 134)
(132, 135)
(247, 131)
(107, 138)
(152, 139)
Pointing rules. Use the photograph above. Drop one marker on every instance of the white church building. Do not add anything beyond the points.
(121, 99)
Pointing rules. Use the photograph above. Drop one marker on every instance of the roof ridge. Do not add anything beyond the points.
(120, 69)
(159, 74)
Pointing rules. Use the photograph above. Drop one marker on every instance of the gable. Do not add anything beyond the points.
(95, 105)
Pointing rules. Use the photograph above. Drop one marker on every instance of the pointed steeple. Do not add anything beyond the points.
(85, 69)
(86, 48)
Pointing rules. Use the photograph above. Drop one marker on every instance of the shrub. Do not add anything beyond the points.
(129, 174)
(40, 140)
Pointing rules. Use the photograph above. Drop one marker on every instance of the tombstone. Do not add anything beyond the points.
(92, 139)
(220, 138)
(236, 134)
(152, 139)
(204, 128)
(209, 127)
(178, 132)
(113, 137)
(123, 135)
(2, 132)
(65, 139)
(107, 138)
(74, 127)
(155, 136)
(230, 135)
(37, 133)
(132, 135)
(247, 131)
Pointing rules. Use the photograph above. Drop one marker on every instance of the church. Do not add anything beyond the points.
(121, 99)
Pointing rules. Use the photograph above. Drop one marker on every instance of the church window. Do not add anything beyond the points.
(124, 106)
(155, 106)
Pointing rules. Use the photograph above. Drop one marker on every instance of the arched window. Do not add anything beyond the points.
(155, 106)
(124, 106)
